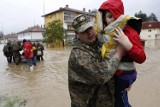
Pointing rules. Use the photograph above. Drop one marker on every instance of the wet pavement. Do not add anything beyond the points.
(47, 85)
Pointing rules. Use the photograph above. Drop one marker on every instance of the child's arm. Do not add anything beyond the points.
(136, 52)
(133, 45)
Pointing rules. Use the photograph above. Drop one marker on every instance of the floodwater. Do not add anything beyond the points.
(47, 85)
(146, 90)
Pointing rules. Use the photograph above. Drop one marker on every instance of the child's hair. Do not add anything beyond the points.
(104, 17)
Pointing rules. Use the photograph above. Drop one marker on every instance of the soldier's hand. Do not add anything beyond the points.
(120, 51)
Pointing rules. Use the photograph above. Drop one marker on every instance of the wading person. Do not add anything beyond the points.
(28, 53)
(7, 50)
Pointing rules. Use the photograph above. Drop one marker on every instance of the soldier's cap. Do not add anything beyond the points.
(82, 22)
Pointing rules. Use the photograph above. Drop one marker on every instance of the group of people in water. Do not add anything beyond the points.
(25, 51)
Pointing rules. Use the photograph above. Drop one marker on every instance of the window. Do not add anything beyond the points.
(149, 36)
(69, 15)
(149, 25)
(50, 16)
(149, 30)
(57, 16)
(69, 27)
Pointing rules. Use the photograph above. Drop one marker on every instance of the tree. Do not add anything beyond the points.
(152, 17)
(144, 17)
(141, 15)
(54, 33)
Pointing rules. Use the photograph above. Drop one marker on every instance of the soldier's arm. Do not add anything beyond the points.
(91, 69)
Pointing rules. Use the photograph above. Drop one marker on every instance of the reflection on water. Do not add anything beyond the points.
(46, 86)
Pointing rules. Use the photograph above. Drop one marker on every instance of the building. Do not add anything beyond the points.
(10, 37)
(1, 34)
(31, 33)
(2, 40)
(66, 16)
(1, 37)
(150, 30)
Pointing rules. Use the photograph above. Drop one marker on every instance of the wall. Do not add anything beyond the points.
(149, 34)
(54, 16)
(36, 35)
(30, 36)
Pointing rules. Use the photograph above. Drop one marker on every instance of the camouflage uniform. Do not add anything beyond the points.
(90, 79)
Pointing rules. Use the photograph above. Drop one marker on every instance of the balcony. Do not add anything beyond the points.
(68, 18)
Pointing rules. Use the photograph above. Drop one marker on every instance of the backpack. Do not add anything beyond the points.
(27, 50)
(15, 47)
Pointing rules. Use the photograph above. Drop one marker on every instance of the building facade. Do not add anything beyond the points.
(150, 30)
(1, 37)
(66, 16)
(32, 33)
(10, 37)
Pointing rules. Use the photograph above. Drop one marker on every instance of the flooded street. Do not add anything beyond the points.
(145, 91)
(47, 85)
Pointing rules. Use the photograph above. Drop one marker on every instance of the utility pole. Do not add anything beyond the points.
(44, 10)
(43, 6)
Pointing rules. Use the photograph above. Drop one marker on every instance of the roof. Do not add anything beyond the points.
(33, 29)
(12, 35)
(91, 13)
(2, 38)
(150, 24)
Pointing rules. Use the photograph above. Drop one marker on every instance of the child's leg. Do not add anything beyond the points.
(121, 97)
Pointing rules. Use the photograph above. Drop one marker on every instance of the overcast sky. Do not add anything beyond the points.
(18, 15)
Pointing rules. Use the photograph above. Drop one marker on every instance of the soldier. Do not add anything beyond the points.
(90, 78)
(16, 47)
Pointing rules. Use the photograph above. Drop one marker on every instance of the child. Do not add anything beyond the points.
(112, 17)
(34, 54)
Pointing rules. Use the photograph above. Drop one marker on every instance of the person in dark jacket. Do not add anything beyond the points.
(7, 50)
(40, 49)
(90, 79)
(16, 47)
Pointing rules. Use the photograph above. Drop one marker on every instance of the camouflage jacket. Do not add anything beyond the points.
(90, 79)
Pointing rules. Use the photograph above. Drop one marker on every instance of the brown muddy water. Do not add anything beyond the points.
(47, 85)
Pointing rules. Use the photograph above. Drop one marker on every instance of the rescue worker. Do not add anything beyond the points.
(90, 79)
